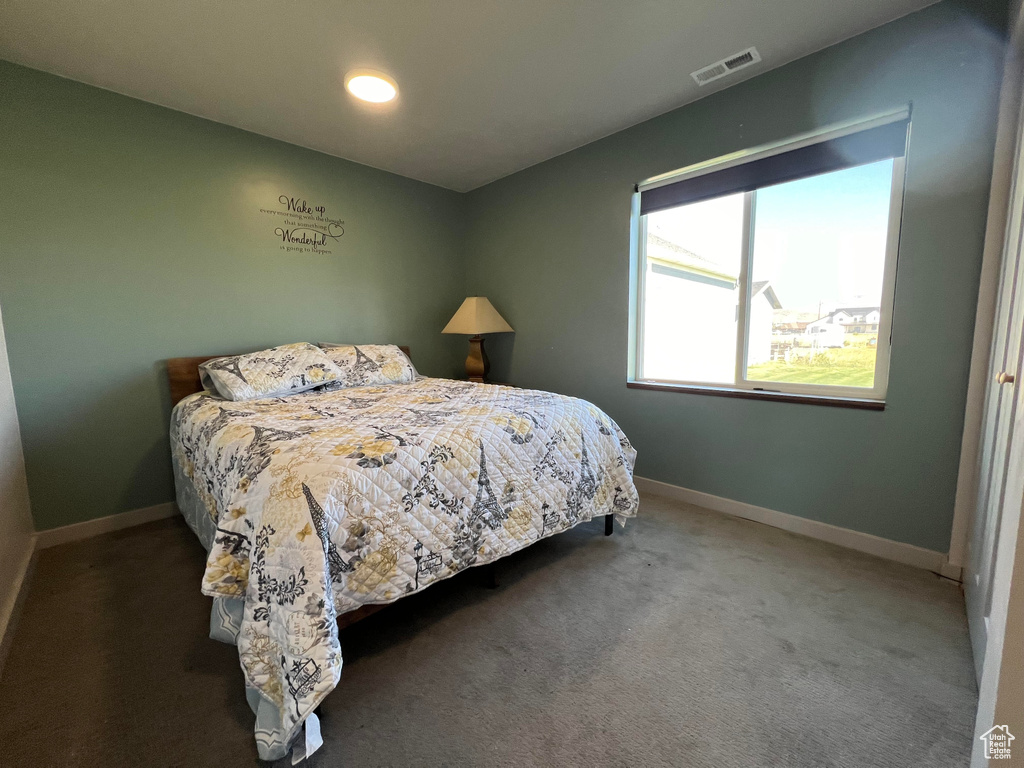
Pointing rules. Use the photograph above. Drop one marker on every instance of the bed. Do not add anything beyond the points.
(319, 507)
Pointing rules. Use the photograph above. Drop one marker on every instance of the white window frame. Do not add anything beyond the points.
(741, 383)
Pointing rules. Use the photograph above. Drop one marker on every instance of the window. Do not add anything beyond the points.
(774, 270)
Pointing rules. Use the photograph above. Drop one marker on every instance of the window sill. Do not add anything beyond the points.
(746, 394)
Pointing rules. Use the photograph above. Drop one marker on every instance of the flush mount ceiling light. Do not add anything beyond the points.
(371, 85)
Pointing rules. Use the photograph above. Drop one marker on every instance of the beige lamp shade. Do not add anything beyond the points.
(476, 316)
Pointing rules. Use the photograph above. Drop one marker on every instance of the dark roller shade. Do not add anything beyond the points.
(868, 146)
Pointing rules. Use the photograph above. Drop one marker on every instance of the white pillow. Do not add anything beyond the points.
(282, 370)
(368, 365)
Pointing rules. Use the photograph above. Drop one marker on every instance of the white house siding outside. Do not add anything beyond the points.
(690, 329)
(759, 336)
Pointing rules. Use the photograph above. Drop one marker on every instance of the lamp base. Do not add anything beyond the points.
(477, 364)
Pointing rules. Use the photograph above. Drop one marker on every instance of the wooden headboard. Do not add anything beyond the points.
(183, 374)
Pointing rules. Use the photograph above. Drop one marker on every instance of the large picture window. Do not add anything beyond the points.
(774, 270)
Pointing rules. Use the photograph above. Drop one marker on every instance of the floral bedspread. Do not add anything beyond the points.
(325, 501)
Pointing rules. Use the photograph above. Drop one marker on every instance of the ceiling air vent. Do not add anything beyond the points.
(726, 66)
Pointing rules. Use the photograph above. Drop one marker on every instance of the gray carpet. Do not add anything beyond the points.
(688, 639)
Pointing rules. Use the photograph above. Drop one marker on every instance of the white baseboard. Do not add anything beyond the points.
(90, 528)
(63, 535)
(898, 551)
(13, 600)
(951, 571)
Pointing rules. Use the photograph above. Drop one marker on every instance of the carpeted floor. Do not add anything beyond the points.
(689, 639)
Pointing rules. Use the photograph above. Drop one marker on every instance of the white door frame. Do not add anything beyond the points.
(1001, 689)
(1007, 131)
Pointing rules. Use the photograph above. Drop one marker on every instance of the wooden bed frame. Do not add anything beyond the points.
(183, 378)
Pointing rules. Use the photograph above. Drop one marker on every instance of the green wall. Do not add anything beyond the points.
(131, 233)
(550, 247)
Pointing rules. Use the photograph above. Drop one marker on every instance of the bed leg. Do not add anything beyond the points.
(491, 574)
(609, 521)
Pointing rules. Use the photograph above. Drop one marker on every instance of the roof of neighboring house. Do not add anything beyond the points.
(853, 310)
(660, 249)
(824, 320)
(763, 286)
(850, 311)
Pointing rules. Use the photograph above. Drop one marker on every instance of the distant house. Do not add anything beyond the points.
(850, 319)
(789, 323)
(788, 329)
(697, 295)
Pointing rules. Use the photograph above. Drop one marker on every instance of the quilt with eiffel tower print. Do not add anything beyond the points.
(322, 502)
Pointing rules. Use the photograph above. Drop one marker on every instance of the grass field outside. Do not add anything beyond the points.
(850, 366)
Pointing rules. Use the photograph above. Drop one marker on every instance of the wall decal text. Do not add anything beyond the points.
(304, 228)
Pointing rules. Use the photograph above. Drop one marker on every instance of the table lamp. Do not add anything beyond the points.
(476, 316)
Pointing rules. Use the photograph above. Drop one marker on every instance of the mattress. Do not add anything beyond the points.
(318, 503)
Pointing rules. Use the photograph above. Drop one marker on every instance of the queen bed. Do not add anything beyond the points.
(319, 506)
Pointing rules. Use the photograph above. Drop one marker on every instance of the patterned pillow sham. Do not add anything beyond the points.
(282, 370)
(368, 365)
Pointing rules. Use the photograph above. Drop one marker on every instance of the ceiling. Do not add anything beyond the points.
(487, 87)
